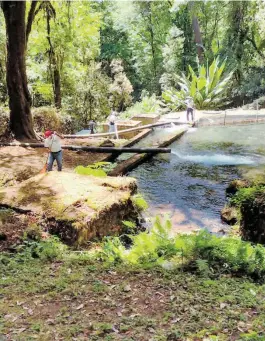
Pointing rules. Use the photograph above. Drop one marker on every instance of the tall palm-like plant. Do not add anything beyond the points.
(208, 88)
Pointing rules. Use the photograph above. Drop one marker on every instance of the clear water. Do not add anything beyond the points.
(189, 184)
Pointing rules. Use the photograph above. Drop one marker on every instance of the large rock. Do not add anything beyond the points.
(253, 219)
(235, 185)
(229, 215)
(75, 207)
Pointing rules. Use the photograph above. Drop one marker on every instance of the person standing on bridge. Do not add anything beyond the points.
(190, 108)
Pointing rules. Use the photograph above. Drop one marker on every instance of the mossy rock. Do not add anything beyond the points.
(235, 185)
(75, 207)
(252, 226)
(107, 143)
(229, 215)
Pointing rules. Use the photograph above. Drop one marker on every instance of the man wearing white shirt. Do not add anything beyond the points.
(112, 123)
(53, 142)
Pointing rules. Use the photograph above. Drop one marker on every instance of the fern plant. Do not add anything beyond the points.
(208, 88)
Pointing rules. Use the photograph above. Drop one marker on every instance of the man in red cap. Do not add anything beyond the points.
(53, 142)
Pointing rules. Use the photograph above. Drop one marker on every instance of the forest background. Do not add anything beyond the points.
(85, 58)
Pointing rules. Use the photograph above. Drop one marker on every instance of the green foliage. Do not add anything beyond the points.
(99, 169)
(147, 105)
(4, 120)
(91, 170)
(139, 202)
(208, 88)
(47, 250)
(208, 254)
(121, 88)
(46, 118)
(244, 195)
(91, 98)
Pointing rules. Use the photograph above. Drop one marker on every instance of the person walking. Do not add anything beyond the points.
(53, 142)
(190, 108)
(112, 123)
(91, 126)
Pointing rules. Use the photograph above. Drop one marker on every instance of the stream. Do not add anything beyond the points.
(189, 184)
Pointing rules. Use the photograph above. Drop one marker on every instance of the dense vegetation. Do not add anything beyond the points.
(172, 288)
(90, 57)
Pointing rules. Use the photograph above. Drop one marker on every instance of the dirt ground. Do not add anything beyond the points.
(18, 163)
(71, 301)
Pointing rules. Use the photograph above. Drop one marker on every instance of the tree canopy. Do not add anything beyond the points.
(71, 49)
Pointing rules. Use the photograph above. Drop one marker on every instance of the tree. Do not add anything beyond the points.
(197, 31)
(21, 122)
(121, 88)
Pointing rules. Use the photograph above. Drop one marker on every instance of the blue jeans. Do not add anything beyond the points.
(190, 111)
(58, 156)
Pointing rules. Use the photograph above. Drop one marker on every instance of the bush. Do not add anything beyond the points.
(148, 105)
(4, 120)
(46, 118)
(203, 252)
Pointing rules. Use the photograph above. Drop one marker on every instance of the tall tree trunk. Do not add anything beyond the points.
(197, 32)
(56, 81)
(55, 73)
(31, 16)
(21, 122)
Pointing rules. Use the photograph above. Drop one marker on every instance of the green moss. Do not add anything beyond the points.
(139, 202)
(5, 215)
(244, 195)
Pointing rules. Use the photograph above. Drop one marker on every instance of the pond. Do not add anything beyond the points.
(189, 184)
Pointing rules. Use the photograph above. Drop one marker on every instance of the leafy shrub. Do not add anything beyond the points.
(121, 88)
(148, 105)
(246, 194)
(33, 232)
(203, 252)
(4, 120)
(47, 250)
(46, 118)
(208, 89)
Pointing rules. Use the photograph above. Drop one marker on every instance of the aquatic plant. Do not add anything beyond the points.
(208, 88)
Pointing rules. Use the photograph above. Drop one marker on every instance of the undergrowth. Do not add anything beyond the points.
(203, 253)
(244, 195)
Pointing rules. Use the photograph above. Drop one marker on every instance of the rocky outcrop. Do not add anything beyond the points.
(252, 224)
(235, 185)
(229, 215)
(76, 208)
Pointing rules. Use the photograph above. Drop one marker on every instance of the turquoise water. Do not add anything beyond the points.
(189, 184)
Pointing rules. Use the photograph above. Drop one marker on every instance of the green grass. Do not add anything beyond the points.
(90, 300)
(163, 288)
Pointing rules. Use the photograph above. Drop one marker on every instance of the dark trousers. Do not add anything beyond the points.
(190, 111)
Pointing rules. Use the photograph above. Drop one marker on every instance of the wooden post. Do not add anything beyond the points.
(257, 111)
(224, 117)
